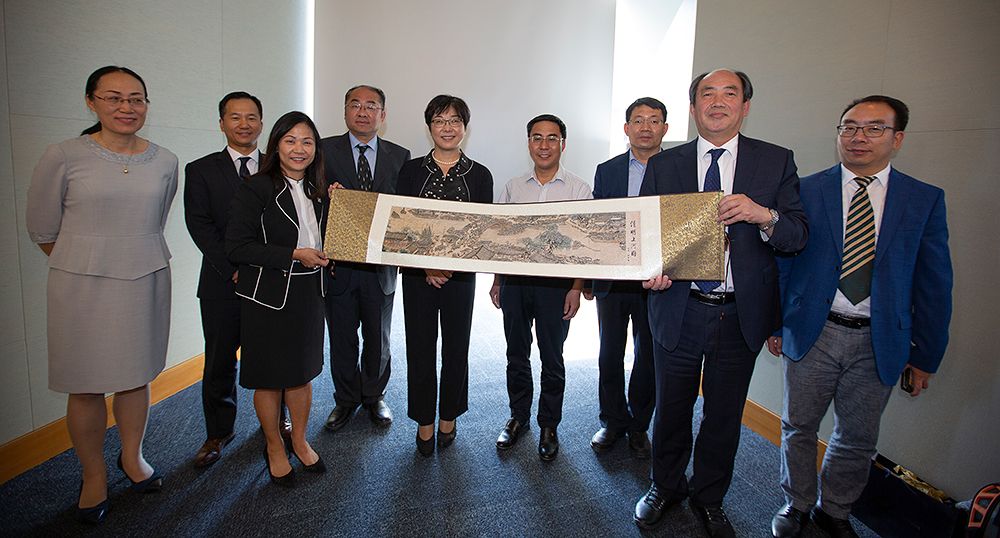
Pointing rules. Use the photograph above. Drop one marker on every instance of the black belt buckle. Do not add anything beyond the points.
(712, 299)
(848, 321)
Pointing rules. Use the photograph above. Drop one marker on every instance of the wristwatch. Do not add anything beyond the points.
(769, 224)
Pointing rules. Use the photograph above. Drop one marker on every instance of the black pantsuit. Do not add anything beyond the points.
(220, 323)
(712, 332)
(423, 304)
(527, 300)
(625, 300)
(359, 302)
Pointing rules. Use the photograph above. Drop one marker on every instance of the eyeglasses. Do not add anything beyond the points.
(370, 107)
(871, 131)
(552, 139)
(115, 101)
(652, 122)
(450, 122)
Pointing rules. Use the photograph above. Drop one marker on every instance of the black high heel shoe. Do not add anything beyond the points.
(315, 467)
(93, 515)
(446, 439)
(425, 446)
(286, 481)
(150, 485)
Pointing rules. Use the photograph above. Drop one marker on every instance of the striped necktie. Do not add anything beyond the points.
(859, 245)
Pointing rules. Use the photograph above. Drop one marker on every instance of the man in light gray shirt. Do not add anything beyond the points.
(548, 302)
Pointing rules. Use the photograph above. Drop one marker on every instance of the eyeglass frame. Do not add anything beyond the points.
(552, 139)
(439, 123)
(116, 101)
(847, 131)
(356, 106)
(652, 122)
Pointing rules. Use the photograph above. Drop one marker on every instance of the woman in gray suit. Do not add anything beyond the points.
(97, 206)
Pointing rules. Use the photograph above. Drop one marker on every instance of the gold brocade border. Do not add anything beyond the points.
(692, 242)
(347, 240)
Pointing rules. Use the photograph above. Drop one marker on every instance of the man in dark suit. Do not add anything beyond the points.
(619, 301)
(209, 186)
(711, 332)
(868, 299)
(361, 294)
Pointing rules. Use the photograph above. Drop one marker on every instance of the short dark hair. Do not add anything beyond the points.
(548, 117)
(651, 102)
(744, 79)
(381, 94)
(902, 111)
(95, 78)
(239, 95)
(443, 102)
(272, 162)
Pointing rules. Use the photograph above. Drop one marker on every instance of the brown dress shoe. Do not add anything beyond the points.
(210, 451)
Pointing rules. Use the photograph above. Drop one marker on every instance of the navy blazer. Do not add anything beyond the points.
(209, 186)
(911, 279)
(610, 181)
(262, 234)
(339, 165)
(766, 173)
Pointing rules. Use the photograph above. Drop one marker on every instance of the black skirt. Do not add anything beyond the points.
(283, 348)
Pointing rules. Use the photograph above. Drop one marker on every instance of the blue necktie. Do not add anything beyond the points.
(713, 182)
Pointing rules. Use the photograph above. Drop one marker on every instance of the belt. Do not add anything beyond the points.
(713, 299)
(848, 321)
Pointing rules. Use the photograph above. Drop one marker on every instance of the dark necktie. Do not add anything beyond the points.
(713, 182)
(364, 169)
(859, 245)
(244, 171)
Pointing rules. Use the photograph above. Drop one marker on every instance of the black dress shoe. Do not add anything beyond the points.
(340, 416)
(150, 485)
(93, 515)
(425, 446)
(604, 440)
(548, 444)
(286, 480)
(445, 440)
(380, 413)
(285, 429)
(651, 507)
(716, 522)
(639, 443)
(788, 522)
(836, 528)
(509, 434)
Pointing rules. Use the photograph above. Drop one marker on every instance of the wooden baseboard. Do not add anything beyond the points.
(765, 423)
(37, 446)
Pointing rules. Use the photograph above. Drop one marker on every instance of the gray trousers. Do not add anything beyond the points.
(840, 367)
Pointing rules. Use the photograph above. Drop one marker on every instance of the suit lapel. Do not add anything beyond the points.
(621, 186)
(227, 169)
(892, 212)
(286, 205)
(380, 175)
(343, 158)
(746, 165)
(832, 192)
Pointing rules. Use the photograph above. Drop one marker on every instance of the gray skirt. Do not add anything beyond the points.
(106, 334)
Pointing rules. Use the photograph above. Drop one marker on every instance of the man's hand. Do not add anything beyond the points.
(572, 304)
(659, 283)
(740, 208)
(331, 188)
(588, 294)
(921, 379)
(310, 257)
(236, 277)
(437, 278)
(774, 345)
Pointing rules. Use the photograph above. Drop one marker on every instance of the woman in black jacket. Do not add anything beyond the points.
(445, 173)
(275, 237)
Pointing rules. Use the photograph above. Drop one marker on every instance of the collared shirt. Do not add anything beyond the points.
(253, 164)
(727, 173)
(564, 186)
(308, 227)
(876, 194)
(370, 154)
(636, 170)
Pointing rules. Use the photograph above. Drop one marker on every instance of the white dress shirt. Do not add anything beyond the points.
(253, 164)
(308, 227)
